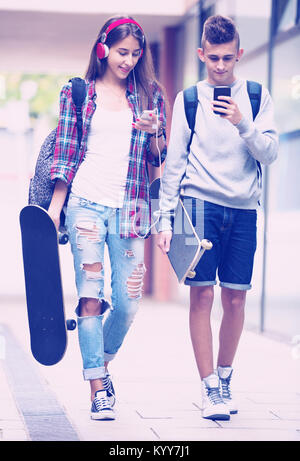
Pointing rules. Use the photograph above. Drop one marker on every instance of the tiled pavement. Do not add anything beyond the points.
(156, 382)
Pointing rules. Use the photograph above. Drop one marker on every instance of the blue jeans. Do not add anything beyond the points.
(90, 227)
(232, 232)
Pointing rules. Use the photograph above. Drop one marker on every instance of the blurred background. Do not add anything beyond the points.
(43, 44)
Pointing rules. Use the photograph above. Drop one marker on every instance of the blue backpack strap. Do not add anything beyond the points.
(190, 98)
(254, 91)
(78, 96)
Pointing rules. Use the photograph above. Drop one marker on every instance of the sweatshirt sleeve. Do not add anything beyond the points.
(261, 135)
(175, 165)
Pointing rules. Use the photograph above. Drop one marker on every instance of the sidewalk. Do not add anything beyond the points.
(157, 386)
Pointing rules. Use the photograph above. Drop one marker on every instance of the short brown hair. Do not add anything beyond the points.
(219, 29)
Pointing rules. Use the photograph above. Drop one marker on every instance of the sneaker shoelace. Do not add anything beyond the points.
(107, 384)
(101, 403)
(213, 394)
(225, 384)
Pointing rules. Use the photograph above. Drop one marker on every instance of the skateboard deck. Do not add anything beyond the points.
(44, 294)
(186, 248)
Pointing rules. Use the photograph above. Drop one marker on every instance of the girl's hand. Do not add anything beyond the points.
(150, 126)
(57, 201)
(55, 216)
(229, 108)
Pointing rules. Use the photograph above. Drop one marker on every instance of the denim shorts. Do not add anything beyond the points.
(232, 232)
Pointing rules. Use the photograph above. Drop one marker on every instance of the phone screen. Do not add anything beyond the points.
(145, 115)
(221, 91)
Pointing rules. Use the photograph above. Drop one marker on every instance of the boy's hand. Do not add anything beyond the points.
(229, 108)
(163, 240)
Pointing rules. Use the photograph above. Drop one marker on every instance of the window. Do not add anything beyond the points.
(286, 84)
(248, 17)
(288, 14)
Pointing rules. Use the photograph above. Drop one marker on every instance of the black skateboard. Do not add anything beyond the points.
(44, 294)
(186, 248)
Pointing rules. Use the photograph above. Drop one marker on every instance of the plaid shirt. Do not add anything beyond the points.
(136, 212)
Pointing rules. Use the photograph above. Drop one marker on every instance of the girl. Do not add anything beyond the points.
(109, 191)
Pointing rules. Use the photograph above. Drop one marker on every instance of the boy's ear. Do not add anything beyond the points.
(200, 53)
(240, 54)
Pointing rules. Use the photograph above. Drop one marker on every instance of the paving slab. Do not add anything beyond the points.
(157, 386)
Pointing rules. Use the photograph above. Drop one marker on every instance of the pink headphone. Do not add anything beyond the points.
(102, 49)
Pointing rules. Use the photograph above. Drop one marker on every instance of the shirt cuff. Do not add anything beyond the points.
(164, 224)
(245, 127)
(63, 175)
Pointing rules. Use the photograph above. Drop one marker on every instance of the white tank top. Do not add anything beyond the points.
(101, 177)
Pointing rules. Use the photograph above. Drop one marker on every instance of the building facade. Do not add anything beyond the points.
(270, 35)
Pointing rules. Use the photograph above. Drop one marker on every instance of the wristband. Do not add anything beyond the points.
(158, 136)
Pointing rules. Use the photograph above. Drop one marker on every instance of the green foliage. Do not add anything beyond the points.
(45, 99)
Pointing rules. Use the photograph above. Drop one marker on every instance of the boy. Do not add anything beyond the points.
(220, 173)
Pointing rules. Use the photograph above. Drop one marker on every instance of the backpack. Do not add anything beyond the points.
(190, 96)
(41, 187)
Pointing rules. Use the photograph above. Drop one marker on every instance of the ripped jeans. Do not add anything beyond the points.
(90, 226)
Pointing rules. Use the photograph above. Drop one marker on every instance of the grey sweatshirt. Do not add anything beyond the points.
(221, 165)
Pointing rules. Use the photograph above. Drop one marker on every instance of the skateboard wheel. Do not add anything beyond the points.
(206, 244)
(63, 239)
(71, 324)
(191, 274)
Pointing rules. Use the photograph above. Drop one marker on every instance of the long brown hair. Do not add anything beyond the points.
(143, 71)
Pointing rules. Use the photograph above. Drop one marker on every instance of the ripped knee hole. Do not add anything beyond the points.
(88, 230)
(93, 271)
(135, 282)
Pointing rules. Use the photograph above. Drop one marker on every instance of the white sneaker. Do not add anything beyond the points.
(213, 406)
(225, 374)
(101, 408)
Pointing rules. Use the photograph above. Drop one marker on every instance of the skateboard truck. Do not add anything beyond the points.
(205, 245)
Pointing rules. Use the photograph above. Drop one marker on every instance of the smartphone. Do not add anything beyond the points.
(221, 91)
(146, 114)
